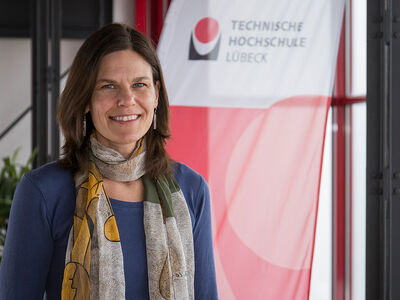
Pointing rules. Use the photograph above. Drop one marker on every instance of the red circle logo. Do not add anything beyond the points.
(206, 30)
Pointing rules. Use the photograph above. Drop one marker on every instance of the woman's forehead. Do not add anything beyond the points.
(124, 63)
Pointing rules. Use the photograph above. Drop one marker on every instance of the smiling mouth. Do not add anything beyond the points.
(125, 118)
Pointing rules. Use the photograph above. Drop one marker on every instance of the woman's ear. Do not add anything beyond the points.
(87, 109)
(157, 88)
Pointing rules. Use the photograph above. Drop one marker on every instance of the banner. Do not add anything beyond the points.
(249, 84)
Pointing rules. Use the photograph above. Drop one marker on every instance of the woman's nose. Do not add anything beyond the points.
(126, 97)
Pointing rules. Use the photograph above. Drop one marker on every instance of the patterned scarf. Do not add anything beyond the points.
(94, 263)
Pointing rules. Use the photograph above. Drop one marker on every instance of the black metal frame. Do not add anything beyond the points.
(383, 150)
(45, 79)
(40, 80)
(55, 75)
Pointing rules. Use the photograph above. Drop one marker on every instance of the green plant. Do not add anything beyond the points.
(10, 174)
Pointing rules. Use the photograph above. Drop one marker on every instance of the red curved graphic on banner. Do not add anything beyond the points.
(263, 168)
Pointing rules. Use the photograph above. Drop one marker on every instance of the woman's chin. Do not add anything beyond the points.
(127, 142)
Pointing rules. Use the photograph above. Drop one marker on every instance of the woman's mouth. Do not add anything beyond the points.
(124, 118)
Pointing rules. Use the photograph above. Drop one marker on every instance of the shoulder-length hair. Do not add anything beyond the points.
(78, 93)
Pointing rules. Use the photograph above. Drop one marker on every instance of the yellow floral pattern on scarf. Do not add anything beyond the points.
(76, 282)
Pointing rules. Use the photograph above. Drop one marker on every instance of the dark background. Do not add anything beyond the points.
(79, 17)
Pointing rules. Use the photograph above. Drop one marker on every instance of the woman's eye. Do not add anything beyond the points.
(139, 84)
(108, 86)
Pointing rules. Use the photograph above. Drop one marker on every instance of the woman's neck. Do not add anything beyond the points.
(126, 149)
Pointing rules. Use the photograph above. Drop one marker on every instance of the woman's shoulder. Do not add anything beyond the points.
(194, 188)
(51, 177)
(50, 190)
(51, 185)
(187, 177)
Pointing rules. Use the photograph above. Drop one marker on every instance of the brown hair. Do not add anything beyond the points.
(79, 88)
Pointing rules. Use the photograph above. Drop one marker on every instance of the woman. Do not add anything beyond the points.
(114, 218)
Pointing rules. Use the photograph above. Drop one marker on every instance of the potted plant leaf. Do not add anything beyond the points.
(10, 174)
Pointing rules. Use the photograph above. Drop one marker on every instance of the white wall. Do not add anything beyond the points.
(123, 11)
(359, 197)
(15, 84)
(15, 96)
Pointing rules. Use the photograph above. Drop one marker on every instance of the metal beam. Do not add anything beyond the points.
(55, 76)
(383, 150)
(40, 80)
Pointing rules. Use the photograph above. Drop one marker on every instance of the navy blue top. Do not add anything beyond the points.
(41, 218)
(129, 216)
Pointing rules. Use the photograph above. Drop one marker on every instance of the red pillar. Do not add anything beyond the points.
(339, 177)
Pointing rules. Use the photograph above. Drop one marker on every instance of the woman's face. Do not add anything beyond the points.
(123, 100)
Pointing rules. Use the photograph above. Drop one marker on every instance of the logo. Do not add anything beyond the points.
(205, 40)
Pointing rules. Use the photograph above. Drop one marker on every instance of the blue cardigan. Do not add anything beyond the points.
(39, 225)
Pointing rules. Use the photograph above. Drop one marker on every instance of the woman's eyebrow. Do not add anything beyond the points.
(139, 78)
(105, 80)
